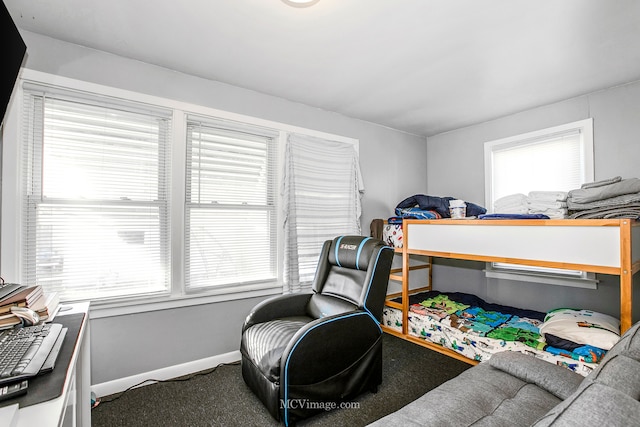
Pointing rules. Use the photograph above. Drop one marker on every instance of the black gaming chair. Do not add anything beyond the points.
(304, 353)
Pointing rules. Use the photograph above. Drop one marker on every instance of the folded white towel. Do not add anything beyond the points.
(514, 203)
(534, 204)
(511, 200)
(553, 196)
(511, 207)
(551, 213)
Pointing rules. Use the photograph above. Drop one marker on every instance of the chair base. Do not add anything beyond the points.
(268, 392)
(299, 401)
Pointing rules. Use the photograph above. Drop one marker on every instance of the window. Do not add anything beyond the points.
(322, 189)
(230, 205)
(95, 196)
(553, 159)
(141, 203)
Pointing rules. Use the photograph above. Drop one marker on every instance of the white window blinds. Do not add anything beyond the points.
(96, 219)
(231, 235)
(551, 163)
(322, 186)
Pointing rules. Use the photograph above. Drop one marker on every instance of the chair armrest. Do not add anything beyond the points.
(328, 346)
(275, 307)
(559, 381)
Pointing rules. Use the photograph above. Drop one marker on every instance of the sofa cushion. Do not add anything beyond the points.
(480, 396)
(619, 372)
(629, 342)
(559, 381)
(594, 404)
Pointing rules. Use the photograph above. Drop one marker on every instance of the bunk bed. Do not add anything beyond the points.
(606, 246)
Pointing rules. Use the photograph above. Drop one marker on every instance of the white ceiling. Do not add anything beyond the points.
(422, 66)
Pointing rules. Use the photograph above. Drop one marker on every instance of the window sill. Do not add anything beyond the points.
(121, 307)
(589, 282)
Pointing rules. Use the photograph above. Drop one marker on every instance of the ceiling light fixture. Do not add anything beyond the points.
(300, 3)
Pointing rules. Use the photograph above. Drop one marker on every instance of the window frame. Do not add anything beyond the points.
(35, 196)
(522, 273)
(10, 226)
(270, 206)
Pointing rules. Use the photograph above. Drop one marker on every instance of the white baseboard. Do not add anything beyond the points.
(121, 384)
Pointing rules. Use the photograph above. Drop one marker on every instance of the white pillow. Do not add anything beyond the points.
(582, 327)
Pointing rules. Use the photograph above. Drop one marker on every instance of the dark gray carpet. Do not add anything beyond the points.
(221, 398)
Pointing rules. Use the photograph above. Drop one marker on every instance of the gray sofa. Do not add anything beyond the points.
(513, 389)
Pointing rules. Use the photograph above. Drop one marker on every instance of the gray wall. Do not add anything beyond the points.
(616, 116)
(392, 166)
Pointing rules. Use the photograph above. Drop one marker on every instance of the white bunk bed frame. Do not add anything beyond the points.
(607, 246)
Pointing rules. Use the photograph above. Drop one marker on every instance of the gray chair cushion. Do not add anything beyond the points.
(265, 343)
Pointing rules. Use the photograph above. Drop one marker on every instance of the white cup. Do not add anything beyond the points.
(457, 208)
(458, 211)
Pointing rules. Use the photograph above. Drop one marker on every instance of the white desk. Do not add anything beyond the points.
(73, 406)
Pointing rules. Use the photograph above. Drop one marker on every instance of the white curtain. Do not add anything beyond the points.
(322, 188)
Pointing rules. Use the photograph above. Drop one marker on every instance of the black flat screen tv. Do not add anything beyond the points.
(12, 52)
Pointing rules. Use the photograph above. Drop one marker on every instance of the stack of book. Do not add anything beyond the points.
(48, 307)
(31, 297)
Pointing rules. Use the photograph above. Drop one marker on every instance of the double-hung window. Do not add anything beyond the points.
(557, 159)
(128, 199)
(230, 231)
(95, 196)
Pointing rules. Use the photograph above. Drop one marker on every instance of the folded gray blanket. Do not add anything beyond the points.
(592, 194)
(626, 211)
(601, 183)
(617, 201)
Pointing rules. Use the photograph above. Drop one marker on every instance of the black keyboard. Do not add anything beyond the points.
(23, 351)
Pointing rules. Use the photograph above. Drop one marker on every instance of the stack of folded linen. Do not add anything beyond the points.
(550, 203)
(610, 198)
(512, 204)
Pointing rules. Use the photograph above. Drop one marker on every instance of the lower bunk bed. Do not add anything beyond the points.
(476, 329)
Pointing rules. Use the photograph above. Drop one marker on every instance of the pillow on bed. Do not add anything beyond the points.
(582, 327)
